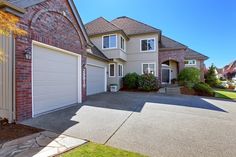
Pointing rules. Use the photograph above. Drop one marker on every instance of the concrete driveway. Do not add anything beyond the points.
(151, 124)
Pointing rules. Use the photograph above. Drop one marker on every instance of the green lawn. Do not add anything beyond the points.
(96, 150)
(225, 94)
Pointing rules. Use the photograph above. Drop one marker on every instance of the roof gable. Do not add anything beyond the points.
(100, 26)
(133, 27)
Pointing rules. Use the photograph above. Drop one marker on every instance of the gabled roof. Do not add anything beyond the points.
(231, 67)
(100, 26)
(191, 54)
(168, 43)
(133, 27)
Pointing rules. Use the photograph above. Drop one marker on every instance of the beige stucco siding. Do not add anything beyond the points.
(174, 69)
(135, 58)
(6, 75)
(115, 53)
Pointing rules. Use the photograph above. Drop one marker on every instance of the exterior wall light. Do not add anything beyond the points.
(28, 54)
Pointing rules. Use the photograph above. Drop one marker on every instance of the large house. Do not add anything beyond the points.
(58, 63)
(132, 46)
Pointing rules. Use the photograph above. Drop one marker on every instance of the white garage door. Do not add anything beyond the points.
(95, 79)
(56, 81)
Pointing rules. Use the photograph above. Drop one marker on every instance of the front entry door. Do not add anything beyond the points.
(165, 76)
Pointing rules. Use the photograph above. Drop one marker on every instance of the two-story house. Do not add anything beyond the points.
(132, 46)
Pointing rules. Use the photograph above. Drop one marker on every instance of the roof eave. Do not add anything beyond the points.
(12, 9)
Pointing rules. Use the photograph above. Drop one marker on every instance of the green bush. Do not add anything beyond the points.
(130, 81)
(203, 89)
(189, 76)
(148, 82)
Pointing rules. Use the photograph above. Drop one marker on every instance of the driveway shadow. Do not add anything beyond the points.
(134, 102)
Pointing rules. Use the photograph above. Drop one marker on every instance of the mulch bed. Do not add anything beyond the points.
(13, 131)
(187, 91)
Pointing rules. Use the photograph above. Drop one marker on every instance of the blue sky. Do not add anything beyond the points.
(207, 26)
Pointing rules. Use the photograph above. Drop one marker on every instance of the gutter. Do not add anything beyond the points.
(12, 9)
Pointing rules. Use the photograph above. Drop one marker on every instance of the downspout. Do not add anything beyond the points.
(13, 113)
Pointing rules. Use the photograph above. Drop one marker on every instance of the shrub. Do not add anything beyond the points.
(148, 82)
(130, 81)
(189, 76)
(203, 89)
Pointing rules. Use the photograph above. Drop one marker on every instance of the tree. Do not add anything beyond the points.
(8, 25)
(211, 78)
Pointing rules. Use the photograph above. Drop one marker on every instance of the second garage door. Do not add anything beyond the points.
(56, 79)
(96, 82)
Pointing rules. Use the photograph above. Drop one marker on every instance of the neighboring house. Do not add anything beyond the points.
(46, 69)
(229, 71)
(132, 46)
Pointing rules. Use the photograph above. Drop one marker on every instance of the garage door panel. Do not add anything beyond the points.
(95, 79)
(55, 79)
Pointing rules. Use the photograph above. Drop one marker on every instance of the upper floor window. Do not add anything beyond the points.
(148, 45)
(122, 43)
(109, 41)
(190, 62)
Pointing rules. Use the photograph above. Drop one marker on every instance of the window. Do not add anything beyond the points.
(122, 43)
(190, 62)
(149, 68)
(112, 70)
(109, 41)
(120, 70)
(148, 45)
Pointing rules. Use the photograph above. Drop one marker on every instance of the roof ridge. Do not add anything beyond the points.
(95, 20)
(113, 24)
(135, 21)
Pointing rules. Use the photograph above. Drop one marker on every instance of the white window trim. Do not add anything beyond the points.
(191, 60)
(114, 69)
(109, 42)
(148, 50)
(122, 72)
(124, 44)
(155, 70)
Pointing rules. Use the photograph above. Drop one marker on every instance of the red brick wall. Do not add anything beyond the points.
(175, 55)
(178, 56)
(53, 23)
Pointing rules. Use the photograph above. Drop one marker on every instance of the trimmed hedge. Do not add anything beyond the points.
(148, 82)
(130, 81)
(203, 89)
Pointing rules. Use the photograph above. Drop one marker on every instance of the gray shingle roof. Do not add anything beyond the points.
(167, 42)
(191, 54)
(133, 27)
(98, 53)
(100, 26)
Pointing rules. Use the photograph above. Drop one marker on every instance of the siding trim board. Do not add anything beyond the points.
(6, 78)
